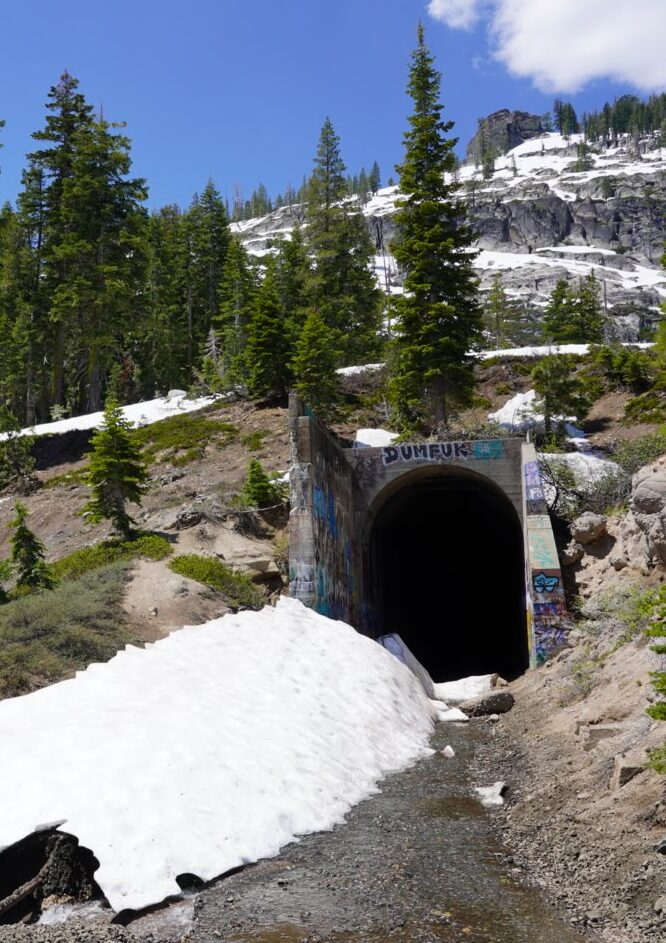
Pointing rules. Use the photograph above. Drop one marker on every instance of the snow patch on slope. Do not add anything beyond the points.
(139, 414)
(210, 748)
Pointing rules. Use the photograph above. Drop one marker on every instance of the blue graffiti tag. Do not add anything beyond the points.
(545, 584)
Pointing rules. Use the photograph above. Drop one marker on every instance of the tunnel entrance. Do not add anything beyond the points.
(446, 572)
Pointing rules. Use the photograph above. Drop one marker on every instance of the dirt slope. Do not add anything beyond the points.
(583, 818)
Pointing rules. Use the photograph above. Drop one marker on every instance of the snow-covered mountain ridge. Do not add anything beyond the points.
(541, 218)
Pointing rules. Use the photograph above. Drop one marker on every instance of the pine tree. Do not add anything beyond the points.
(28, 553)
(560, 393)
(575, 317)
(236, 293)
(268, 343)
(558, 312)
(497, 312)
(341, 287)
(375, 178)
(314, 366)
(82, 214)
(259, 490)
(589, 311)
(117, 473)
(16, 461)
(487, 152)
(293, 272)
(440, 318)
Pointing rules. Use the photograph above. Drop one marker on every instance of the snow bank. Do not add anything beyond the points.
(374, 438)
(455, 692)
(362, 368)
(140, 414)
(211, 748)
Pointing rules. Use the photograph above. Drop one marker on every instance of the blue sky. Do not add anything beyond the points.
(238, 91)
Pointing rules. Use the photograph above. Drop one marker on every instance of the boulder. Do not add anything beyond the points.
(648, 507)
(625, 768)
(588, 527)
(497, 702)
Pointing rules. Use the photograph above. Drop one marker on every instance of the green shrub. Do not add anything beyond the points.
(503, 389)
(259, 491)
(649, 407)
(76, 477)
(47, 636)
(631, 456)
(254, 441)
(236, 587)
(183, 438)
(87, 559)
(657, 760)
(625, 367)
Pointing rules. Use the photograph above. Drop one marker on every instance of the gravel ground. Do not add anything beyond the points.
(417, 862)
(591, 844)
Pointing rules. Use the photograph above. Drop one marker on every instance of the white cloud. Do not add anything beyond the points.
(564, 44)
(458, 14)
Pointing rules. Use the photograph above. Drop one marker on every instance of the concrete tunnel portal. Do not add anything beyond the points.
(448, 544)
(445, 571)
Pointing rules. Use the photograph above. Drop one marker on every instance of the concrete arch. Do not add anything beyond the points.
(489, 502)
(442, 560)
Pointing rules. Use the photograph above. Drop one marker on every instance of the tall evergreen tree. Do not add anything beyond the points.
(117, 473)
(28, 553)
(439, 316)
(81, 216)
(497, 312)
(268, 343)
(560, 393)
(575, 316)
(375, 178)
(316, 380)
(342, 286)
(236, 293)
(292, 274)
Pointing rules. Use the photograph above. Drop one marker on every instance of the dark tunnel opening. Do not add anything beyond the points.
(447, 574)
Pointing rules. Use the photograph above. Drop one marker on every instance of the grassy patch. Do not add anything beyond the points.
(631, 456)
(210, 571)
(83, 561)
(254, 441)
(182, 439)
(47, 636)
(657, 760)
(76, 477)
(649, 407)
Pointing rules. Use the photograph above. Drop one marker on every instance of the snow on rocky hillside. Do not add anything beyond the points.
(540, 219)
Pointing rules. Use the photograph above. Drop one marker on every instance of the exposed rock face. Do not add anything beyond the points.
(542, 218)
(505, 130)
(624, 546)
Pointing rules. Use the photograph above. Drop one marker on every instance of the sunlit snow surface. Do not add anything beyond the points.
(455, 692)
(210, 748)
(374, 438)
(139, 414)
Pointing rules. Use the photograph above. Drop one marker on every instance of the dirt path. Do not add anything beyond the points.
(418, 862)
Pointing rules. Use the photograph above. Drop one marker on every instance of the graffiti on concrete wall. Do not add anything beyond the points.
(534, 494)
(542, 550)
(546, 599)
(443, 451)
